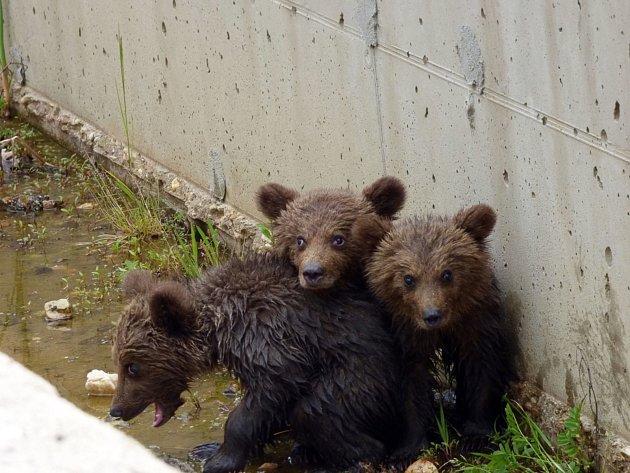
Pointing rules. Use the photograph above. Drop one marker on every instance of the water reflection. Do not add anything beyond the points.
(42, 256)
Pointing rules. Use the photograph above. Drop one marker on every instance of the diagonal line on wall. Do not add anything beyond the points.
(455, 78)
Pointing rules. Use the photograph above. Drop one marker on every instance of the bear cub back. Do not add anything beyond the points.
(326, 366)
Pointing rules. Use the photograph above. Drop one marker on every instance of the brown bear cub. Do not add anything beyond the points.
(328, 234)
(327, 367)
(435, 274)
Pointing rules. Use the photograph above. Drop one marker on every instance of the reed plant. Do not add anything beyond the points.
(5, 102)
(121, 93)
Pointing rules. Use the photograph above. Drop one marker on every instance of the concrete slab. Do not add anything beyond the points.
(43, 432)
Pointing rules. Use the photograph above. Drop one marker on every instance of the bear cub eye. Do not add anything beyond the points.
(447, 275)
(409, 280)
(338, 240)
(300, 241)
(133, 369)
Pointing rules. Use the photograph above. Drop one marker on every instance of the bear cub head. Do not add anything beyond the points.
(155, 347)
(328, 234)
(432, 271)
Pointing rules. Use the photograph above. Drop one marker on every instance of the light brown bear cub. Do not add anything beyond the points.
(328, 234)
(436, 276)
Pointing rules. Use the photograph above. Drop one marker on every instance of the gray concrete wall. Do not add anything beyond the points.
(523, 105)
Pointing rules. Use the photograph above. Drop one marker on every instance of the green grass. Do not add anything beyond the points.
(525, 448)
(202, 249)
(121, 93)
(133, 214)
(265, 231)
(139, 220)
(447, 441)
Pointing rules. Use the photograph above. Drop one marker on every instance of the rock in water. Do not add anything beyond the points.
(100, 383)
(58, 310)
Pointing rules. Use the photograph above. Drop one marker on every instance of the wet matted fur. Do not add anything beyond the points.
(436, 275)
(327, 233)
(327, 367)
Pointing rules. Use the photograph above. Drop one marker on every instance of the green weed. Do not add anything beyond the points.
(92, 290)
(131, 213)
(129, 265)
(122, 98)
(440, 452)
(188, 254)
(526, 448)
(447, 441)
(210, 245)
(266, 232)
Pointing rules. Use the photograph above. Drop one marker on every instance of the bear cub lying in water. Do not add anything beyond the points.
(327, 367)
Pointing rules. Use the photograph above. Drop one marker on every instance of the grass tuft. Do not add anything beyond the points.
(524, 447)
(131, 213)
(203, 249)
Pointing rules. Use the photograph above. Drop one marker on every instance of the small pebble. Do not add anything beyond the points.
(49, 204)
(422, 466)
(100, 383)
(58, 310)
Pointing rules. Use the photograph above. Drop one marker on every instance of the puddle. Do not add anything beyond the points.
(44, 255)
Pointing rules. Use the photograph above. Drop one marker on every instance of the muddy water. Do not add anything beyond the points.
(47, 256)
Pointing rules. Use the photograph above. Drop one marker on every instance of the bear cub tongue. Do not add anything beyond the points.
(159, 415)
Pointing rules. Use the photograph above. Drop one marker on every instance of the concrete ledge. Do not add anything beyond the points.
(239, 230)
(43, 432)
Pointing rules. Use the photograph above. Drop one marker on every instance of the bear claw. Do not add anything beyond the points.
(204, 451)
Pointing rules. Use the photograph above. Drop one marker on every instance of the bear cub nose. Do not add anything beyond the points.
(431, 317)
(312, 272)
(115, 411)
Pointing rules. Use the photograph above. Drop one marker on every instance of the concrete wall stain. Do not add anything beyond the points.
(471, 58)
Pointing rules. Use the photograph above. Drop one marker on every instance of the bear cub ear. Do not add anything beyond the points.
(387, 196)
(172, 308)
(478, 221)
(272, 199)
(137, 282)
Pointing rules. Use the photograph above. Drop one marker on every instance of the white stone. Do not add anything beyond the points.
(58, 310)
(101, 383)
(422, 466)
(175, 184)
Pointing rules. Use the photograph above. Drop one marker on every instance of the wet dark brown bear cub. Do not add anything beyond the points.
(325, 366)
(328, 234)
(436, 276)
